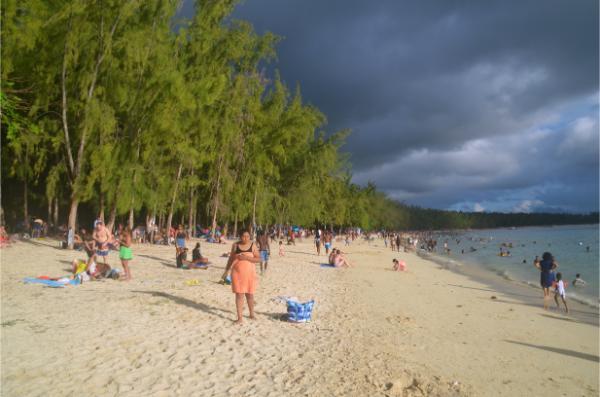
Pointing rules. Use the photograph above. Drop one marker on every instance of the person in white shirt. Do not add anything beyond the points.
(560, 291)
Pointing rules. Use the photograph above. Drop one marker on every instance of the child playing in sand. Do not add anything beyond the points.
(560, 290)
(281, 250)
(399, 266)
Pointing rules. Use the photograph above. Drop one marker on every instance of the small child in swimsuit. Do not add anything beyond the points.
(281, 251)
(559, 290)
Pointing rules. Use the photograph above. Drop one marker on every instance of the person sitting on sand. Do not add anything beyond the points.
(197, 255)
(183, 263)
(399, 266)
(559, 290)
(339, 260)
(578, 282)
(332, 256)
(89, 270)
(5, 239)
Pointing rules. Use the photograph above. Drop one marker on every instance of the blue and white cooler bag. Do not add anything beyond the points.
(299, 312)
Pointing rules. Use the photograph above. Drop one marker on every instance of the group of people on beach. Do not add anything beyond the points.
(98, 245)
(245, 254)
(549, 279)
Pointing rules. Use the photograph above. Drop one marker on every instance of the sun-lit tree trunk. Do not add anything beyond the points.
(216, 198)
(55, 214)
(161, 221)
(235, 225)
(101, 212)
(171, 209)
(191, 213)
(75, 166)
(254, 211)
(112, 216)
(195, 221)
(130, 220)
(73, 217)
(49, 218)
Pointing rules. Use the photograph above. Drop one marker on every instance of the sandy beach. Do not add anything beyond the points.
(427, 331)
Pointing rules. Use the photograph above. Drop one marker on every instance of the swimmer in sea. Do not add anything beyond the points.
(578, 282)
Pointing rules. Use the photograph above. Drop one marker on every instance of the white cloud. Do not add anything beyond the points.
(527, 206)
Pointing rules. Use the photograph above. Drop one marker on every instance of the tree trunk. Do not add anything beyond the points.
(191, 223)
(254, 212)
(216, 201)
(25, 204)
(72, 224)
(235, 226)
(49, 211)
(195, 221)
(112, 216)
(161, 221)
(55, 214)
(130, 222)
(150, 226)
(170, 217)
(101, 212)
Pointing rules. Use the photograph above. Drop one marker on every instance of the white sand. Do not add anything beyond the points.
(374, 333)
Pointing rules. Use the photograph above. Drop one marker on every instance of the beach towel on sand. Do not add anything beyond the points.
(60, 283)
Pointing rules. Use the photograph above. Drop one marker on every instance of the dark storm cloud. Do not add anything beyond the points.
(443, 97)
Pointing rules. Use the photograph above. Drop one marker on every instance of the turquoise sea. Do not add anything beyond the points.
(568, 244)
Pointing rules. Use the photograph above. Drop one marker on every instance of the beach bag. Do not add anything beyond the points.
(299, 312)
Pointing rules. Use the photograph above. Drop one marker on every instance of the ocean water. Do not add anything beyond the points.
(568, 245)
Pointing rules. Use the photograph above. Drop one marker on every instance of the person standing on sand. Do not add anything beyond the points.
(318, 240)
(398, 242)
(265, 250)
(241, 265)
(560, 291)
(327, 238)
(180, 239)
(102, 237)
(125, 253)
(546, 266)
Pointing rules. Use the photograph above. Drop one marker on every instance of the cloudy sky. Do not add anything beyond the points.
(467, 105)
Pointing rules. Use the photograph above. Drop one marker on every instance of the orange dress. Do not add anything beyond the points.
(243, 273)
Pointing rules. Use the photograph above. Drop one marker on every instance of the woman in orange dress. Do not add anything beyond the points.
(241, 264)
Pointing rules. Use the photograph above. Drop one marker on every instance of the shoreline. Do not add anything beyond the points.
(502, 283)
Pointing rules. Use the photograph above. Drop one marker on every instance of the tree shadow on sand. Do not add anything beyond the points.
(161, 261)
(189, 303)
(566, 352)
